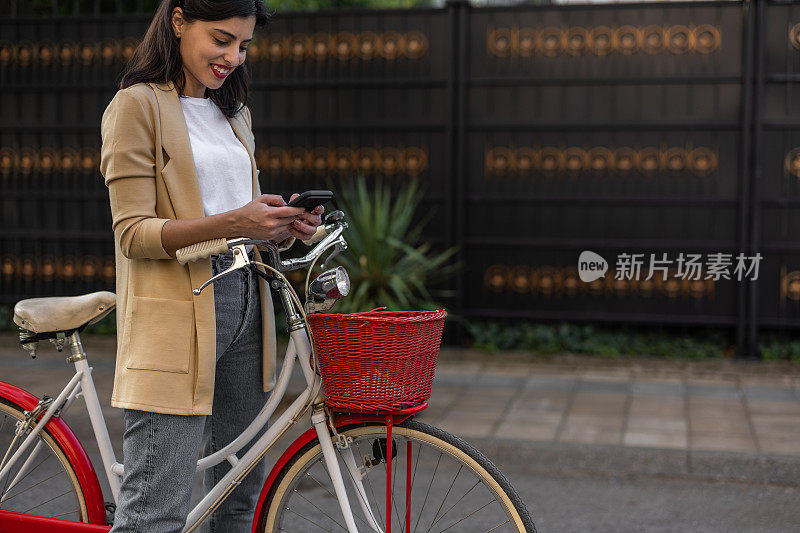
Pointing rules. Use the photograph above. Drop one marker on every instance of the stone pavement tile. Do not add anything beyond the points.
(545, 403)
(478, 402)
(485, 415)
(533, 418)
(644, 405)
(723, 442)
(551, 383)
(591, 429)
(527, 431)
(777, 426)
(733, 423)
(467, 426)
(769, 407)
(591, 434)
(659, 423)
(780, 446)
(432, 415)
(578, 420)
(599, 403)
(544, 397)
(656, 438)
(715, 407)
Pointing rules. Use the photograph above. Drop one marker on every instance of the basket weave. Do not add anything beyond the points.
(377, 361)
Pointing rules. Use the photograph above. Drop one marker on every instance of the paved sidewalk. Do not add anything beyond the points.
(753, 408)
(725, 406)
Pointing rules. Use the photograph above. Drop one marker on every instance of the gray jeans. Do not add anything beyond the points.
(160, 451)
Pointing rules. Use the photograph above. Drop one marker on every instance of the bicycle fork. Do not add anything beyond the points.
(320, 420)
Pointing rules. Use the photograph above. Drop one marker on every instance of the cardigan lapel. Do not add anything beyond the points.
(181, 177)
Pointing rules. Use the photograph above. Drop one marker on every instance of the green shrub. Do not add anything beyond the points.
(606, 341)
(388, 264)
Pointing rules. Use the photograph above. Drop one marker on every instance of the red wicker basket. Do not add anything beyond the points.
(377, 361)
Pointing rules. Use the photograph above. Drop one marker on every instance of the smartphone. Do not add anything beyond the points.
(311, 199)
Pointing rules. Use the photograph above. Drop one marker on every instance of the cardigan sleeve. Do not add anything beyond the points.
(127, 163)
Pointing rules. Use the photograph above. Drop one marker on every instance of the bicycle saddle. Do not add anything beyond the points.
(61, 313)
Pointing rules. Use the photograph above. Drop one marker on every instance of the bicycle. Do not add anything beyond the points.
(47, 481)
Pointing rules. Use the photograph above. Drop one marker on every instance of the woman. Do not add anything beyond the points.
(177, 157)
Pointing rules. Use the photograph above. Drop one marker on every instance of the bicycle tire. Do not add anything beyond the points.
(45, 482)
(273, 515)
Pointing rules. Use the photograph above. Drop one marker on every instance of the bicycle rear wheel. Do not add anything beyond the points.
(49, 487)
(453, 487)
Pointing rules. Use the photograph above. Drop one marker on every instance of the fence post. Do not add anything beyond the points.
(745, 173)
(457, 13)
(756, 173)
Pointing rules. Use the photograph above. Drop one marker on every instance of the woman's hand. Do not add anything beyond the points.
(306, 225)
(268, 218)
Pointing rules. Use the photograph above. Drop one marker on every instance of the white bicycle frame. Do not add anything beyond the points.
(299, 348)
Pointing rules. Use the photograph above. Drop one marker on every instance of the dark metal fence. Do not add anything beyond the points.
(540, 131)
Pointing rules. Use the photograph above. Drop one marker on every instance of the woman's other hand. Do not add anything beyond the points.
(268, 218)
(306, 225)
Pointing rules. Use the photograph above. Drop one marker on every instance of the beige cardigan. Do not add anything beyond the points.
(166, 350)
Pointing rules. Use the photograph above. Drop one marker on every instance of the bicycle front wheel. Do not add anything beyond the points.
(450, 485)
(42, 482)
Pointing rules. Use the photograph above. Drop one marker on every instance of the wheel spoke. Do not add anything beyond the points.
(394, 483)
(26, 475)
(457, 502)
(501, 524)
(60, 472)
(360, 498)
(470, 514)
(372, 490)
(41, 493)
(308, 520)
(445, 497)
(48, 501)
(470, 495)
(413, 476)
(425, 499)
(315, 506)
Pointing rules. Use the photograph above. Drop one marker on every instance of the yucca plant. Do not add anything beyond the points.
(388, 264)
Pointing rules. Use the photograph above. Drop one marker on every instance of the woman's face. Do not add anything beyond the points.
(210, 50)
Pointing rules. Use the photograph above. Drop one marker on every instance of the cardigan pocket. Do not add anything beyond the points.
(160, 335)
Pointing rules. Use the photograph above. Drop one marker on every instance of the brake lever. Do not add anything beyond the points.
(240, 260)
(339, 245)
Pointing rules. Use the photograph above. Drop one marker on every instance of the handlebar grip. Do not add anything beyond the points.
(201, 250)
(318, 236)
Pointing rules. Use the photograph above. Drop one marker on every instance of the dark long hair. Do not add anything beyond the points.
(157, 59)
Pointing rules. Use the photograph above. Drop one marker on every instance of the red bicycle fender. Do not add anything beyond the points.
(63, 435)
(11, 522)
(305, 438)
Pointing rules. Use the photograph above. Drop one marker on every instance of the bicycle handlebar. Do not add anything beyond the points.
(328, 234)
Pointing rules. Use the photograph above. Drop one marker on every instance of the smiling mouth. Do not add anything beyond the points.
(220, 71)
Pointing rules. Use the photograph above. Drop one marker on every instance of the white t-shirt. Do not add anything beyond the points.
(221, 160)
(223, 166)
